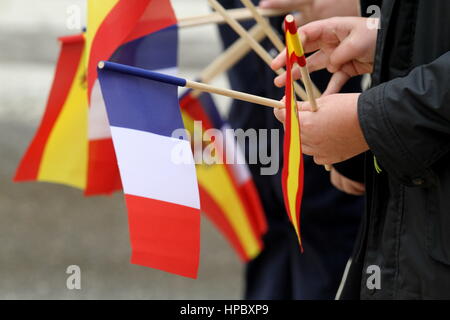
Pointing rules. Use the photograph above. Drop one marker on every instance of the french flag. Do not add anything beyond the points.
(161, 191)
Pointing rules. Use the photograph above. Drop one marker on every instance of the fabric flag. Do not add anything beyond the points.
(58, 152)
(227, 192)
(292, 175)
(129, 32)
(157, 170)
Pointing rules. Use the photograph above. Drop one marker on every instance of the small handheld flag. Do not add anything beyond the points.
(181, 82)
(58, 151)
(293, 39)
(228, 195)
(292, 175)
(157, 171)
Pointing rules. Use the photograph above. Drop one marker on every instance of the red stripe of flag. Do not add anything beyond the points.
(113, 32)
(66, 69)
(218, 217)
(103, 172)
(164, 235)
(249, 198)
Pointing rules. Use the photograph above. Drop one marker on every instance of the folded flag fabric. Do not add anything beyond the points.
(227, 192)
(58, 151)
(293, 171)
(129, 32)
(161, 192)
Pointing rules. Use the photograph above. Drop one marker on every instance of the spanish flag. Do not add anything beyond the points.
(292, 175)
(228, 195)
(58, 152)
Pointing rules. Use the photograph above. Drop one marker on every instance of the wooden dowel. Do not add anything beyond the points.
(271, 34)
(235, 94)
(238, 14)
(230, 56)
(181, 82)
(308, 86)
(267, 58)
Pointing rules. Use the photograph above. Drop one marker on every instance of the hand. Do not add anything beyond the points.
(285, 4)
(311, 10)
(345, 46)
(333, 133)
(345, 184)
(324, 9)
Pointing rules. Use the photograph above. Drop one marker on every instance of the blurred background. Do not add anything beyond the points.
(44, 228)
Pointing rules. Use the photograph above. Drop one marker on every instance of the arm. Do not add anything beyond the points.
(406, 121)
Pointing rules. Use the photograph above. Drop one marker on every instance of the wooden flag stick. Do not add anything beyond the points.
(271, 34)
(238, 14)
(176, 81)
(235, 94)
(275, 39)
(267, 58)
(230, 56)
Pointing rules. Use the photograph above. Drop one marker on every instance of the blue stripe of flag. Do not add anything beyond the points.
(141, 104)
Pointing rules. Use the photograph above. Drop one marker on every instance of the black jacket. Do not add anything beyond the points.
(405, 118)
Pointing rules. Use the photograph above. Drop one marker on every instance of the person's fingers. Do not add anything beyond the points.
(317, 61)
(359, 188)
(275, 4)
(335, 178)
(353, 187)
(282, 4)
(346, 185)
(319, 160)
(307, 150)
(337, 81)
(279, 61)
(315, 33)
(342, 54)
(303, 106)
(280, 114)
(280, 81)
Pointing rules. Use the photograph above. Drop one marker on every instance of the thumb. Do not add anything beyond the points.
(280, 114)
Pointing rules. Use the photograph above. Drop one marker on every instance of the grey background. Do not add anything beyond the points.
(44, 228)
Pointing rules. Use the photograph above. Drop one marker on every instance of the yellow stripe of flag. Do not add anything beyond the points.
(294, 45)
(97, 12)
(216, 181)
(64, 159)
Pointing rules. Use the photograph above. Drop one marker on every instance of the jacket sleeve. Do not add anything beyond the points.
(406, 121)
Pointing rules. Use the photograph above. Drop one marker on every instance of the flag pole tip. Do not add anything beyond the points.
(101, 64)
(290, 24)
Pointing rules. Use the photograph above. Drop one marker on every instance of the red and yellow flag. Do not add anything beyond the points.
(292, 176)
(232, 205)
(115, 27)
(58, 151)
